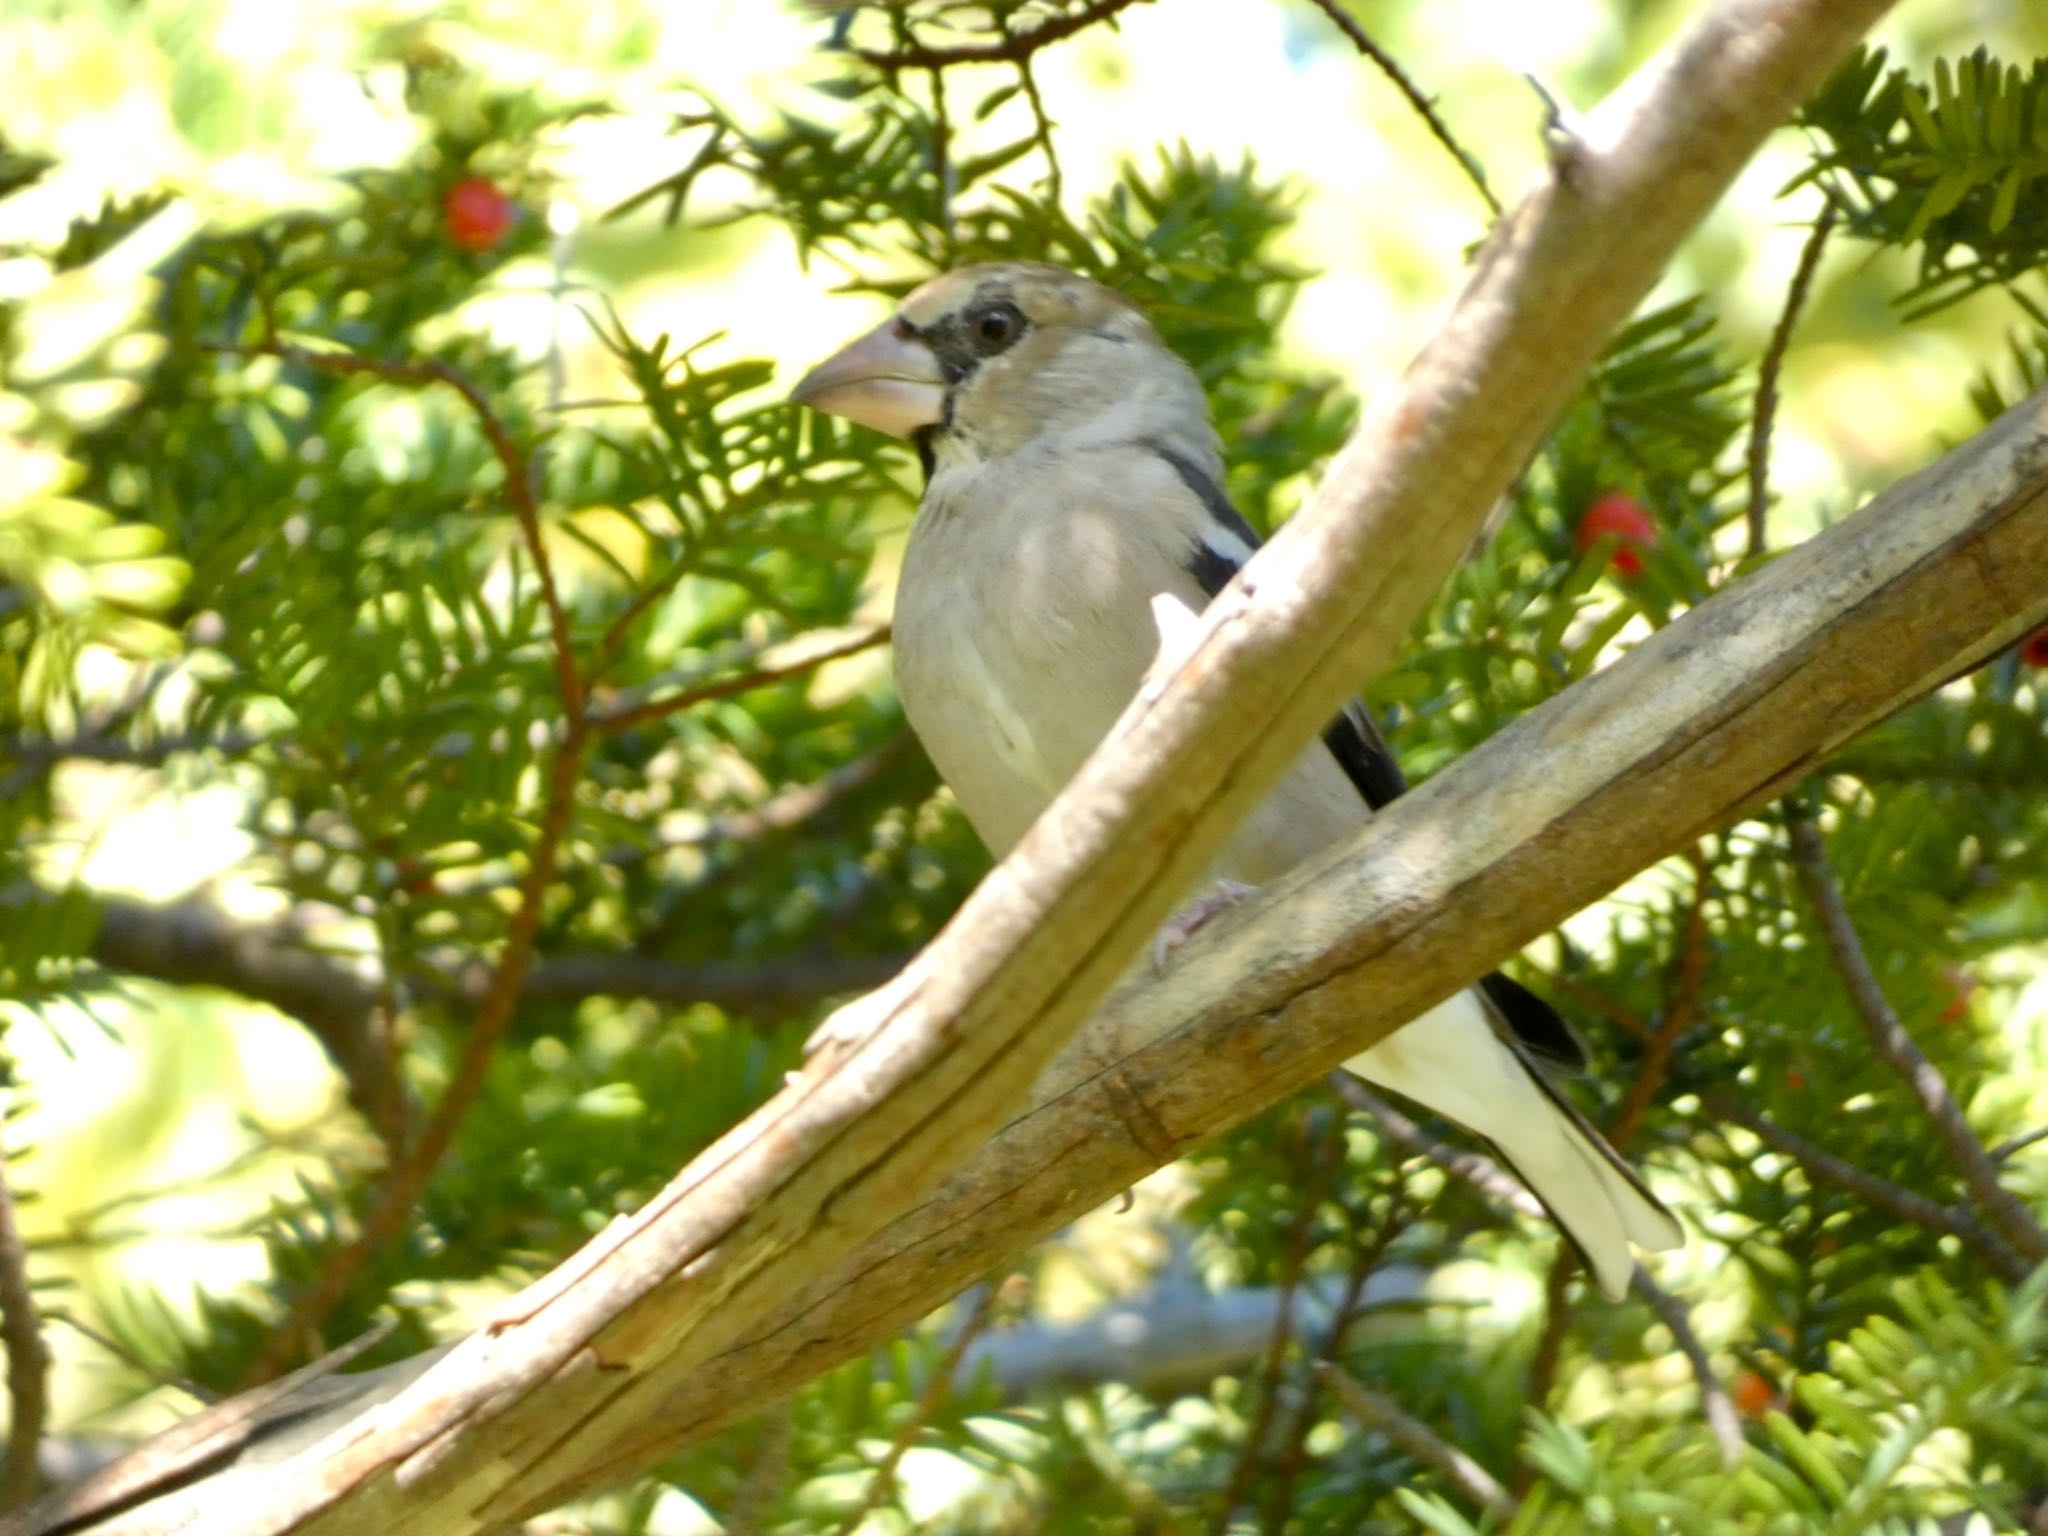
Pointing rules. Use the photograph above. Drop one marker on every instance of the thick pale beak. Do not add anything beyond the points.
(888, 380)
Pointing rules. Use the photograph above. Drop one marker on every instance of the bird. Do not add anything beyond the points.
(1073, 485)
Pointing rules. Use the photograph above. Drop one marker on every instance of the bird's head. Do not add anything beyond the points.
(985, 360)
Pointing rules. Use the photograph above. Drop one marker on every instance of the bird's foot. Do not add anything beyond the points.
(1195, 916)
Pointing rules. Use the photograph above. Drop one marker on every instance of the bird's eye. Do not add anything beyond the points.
(995, 327)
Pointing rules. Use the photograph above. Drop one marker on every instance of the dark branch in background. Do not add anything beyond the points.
(1715, 1403)
(2001, 1207)
(1689, 975)
(1376, 1410)
(1880, 1193)
(1764, 413)
(28, 1358)
(192, 943)
(1011, 50)
(1424, 107)
(35, 754)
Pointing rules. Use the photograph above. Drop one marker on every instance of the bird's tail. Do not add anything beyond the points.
(1454, 1062)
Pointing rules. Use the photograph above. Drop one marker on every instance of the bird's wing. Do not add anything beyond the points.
(1354, 740)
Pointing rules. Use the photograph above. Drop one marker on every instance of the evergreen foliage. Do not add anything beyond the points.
(263, 460)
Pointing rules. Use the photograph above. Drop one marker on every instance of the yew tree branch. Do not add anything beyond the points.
(1895, 1046)
(621, 1353)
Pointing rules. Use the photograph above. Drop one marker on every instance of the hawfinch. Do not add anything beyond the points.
(1072, 477)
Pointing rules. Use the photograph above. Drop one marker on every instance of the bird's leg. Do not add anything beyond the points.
(1195, 916)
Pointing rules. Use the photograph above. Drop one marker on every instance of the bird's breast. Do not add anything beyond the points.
(1019, 637)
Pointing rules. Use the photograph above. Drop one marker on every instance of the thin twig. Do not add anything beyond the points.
(1424, 107)
(519, 480)
(1715, 1402)
(1321, 1153)
(1012, 48)
(1764, 412)
(1549, 1352)
(399, 1191)
(1378, 1411)
(785, 811)
(884, 1481)
(767, 1476)
(1053, 178)
(1474, 1168)
(1288, 1465)
(1894, 1045)
(148, 1370)
(778, 664)
(28, 1359)
(1681, 1009)
(942, 161)
(2007, 1150)
(1874, 1191)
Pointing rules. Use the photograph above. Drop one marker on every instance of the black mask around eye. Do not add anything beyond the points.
(969, 337)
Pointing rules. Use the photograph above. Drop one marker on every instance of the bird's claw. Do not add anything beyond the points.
(1195, 916)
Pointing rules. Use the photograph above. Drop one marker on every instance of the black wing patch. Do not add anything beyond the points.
(1355, 741)
(1365, 757)
(1209, 566)
(1535, 1024)
(1352, 738)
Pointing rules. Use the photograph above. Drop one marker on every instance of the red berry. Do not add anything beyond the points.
(478, 215)
(1754, 1394)
(1620, 515)
(2034, 649)
(1795, 1079)
(1960, 985)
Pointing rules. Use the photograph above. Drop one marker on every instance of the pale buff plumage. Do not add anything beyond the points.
(1073, 480)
